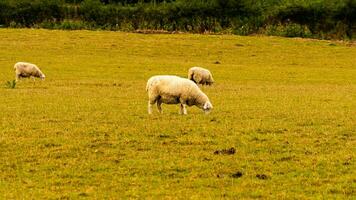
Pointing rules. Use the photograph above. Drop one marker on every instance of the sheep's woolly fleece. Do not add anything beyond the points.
(24, 69)
(170, 89)
(200, 76)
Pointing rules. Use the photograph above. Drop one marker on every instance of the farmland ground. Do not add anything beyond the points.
(287, 106)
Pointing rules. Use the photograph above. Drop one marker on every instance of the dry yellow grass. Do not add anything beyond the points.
(286, 105)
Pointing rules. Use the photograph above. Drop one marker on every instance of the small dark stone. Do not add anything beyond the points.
(230, 151)
(237, 174)
(213, 120)
(262, 176)
(220, 175)
(217, 62)
(346, 163)
(207, 159)
(83, 194)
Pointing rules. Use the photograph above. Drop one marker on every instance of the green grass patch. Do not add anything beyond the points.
(10, 84)
(286, 106)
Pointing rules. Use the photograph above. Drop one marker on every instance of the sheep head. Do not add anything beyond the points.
(207, 107)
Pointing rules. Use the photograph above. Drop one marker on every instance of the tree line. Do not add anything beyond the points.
(292, 18)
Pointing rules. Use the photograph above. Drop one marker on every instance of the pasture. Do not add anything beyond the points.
(287, 107)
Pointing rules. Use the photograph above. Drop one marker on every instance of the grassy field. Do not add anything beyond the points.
(288, 107)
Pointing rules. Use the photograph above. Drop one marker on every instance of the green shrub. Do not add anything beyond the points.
(296, 30)
(10, 84)
(315, 18)
(288, 30)
(13, 24)
(245, 29)
(47, 25)
(72, 25)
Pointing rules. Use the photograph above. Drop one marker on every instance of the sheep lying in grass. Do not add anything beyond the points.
(24, 69)
(174, 90)
(200, 76)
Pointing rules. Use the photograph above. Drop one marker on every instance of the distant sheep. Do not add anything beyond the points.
(200, 76)
(175, 90)
(24, 69)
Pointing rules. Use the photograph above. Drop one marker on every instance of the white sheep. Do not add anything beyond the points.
(200, 76)
(170, 89)
(24, 69)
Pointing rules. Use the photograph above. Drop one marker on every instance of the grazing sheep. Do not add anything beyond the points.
(200, 76)
(174, 90)
(24, 69)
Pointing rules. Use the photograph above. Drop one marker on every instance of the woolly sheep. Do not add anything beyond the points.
(24, 69)
(170, 89)
(200, 76)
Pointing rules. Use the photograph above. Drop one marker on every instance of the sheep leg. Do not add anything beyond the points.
(150, 107)
(159, 103)
(17, 77)
(183, 109)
